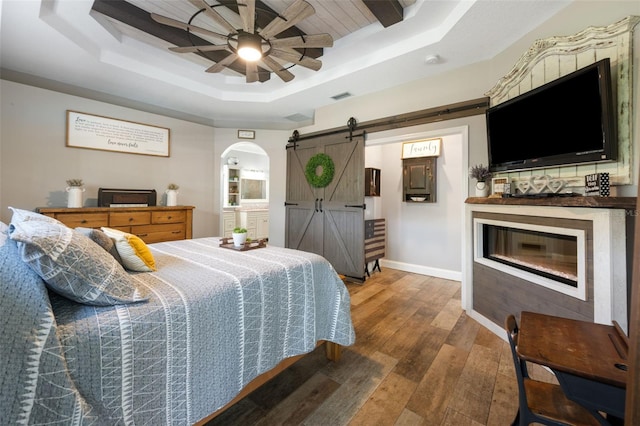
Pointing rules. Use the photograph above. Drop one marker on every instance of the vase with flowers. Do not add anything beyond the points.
(482, 175)
(172, 194)
(74, 191)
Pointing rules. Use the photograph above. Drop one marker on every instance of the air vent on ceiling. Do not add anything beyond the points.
(341, 96)
(297, 117)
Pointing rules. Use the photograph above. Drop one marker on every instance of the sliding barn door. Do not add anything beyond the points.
(328, 221)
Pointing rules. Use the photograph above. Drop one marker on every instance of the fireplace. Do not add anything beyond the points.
(549, 256)
(565, 261)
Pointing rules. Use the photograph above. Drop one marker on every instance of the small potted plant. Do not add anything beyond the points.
(481, 174)
(172, 194)
(239, 236)
(75, 190)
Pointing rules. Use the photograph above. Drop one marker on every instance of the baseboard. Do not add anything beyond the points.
(423, 270)
(488, 324)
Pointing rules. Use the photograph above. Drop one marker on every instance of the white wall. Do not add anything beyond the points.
(36, 163)
(422, 237)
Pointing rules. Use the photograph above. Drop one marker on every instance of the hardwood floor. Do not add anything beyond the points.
(418, 360)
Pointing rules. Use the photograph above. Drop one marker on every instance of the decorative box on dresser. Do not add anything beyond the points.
(151, 224)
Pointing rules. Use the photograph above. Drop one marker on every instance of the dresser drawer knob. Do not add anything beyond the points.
(169, 217)
(142, 235)
(83, 221)
(175, 232)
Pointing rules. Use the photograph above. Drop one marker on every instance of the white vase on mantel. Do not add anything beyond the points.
(482, 189)
(74, 197)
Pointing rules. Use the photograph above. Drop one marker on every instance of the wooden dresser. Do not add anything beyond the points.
(152, 224)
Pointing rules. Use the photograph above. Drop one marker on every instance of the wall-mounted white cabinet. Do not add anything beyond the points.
(231, 179)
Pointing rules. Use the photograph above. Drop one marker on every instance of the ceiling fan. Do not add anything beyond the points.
(251, 43)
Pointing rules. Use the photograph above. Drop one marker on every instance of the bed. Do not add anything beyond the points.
(172, 346)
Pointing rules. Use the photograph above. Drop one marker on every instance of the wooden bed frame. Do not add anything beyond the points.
(332, 350)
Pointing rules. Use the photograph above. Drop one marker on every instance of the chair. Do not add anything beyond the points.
(542, 402)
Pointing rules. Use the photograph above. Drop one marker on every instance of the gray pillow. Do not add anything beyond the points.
(103, 240)
(72, 265)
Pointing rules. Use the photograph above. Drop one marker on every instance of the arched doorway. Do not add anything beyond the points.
(244, 193)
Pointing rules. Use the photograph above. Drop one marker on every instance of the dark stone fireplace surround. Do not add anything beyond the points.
(489, 294)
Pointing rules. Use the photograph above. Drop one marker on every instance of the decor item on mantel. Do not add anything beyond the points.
(597, 184)
(75, 190)
(172, 194)
(500, 187)
(481, 174)
(540, 185)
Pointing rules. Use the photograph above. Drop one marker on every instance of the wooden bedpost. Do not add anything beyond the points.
(333, 351)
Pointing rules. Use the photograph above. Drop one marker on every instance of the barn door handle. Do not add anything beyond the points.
(321, 205)
(315, 205)
(290, 204)
(359, 206)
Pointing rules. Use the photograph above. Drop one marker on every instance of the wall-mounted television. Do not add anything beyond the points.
(570, 120)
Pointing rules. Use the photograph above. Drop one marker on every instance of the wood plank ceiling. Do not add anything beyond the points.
(337, 18)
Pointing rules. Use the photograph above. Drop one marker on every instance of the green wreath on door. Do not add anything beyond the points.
(326, 176)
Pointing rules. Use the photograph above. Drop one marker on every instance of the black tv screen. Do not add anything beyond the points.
(567, 121)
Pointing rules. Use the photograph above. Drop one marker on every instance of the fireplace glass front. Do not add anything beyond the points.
(553, 256)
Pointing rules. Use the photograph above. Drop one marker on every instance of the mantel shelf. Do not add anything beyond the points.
(594, 202)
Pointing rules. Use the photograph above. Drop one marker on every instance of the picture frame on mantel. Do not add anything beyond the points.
(110, 134)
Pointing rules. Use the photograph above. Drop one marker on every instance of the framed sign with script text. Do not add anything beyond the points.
(421, 148)
(109, 134)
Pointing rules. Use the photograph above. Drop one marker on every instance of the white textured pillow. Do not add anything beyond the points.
(20, 215)
(72, 265)
(134, 253)
(4, 233)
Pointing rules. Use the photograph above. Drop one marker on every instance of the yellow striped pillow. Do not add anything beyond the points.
(134, 253)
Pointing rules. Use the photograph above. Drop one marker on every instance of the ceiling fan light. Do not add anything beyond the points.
(249, 47)
(249, 53)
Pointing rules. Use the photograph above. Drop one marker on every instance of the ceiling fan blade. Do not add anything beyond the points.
(293, 56)
(247, 11)
(276, 67)
(223, 63)
(191, 49)
(213, 14)
(252, 72)
(298, 42)
(187, 27)
(290, 17)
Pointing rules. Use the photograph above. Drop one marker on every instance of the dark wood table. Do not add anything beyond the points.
(589, 359)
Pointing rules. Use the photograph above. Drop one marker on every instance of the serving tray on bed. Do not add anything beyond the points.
(253, 244)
